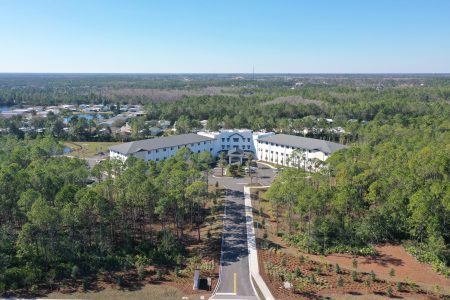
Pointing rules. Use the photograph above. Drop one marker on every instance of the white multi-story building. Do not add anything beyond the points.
(243, 139)
(278, 149)
(164, 147)
(265, 146)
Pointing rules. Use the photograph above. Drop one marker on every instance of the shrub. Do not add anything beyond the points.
(297, 272)
(284, 261)
(389, 292)
(338, 269)
(340, 281)
(119, 281)
(319, 269)
(177, 271)
(354, 275)
(34, 288)
(353, 250)
(392, 273)
(159, 275)
(354, 263)
(74, 273)
(24, 277)
(301, 259)
(373, 276)
(140, 270)
(85, 284)
(399, 286)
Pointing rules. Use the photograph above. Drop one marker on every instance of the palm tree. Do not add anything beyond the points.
(249, 162)
(222, 161)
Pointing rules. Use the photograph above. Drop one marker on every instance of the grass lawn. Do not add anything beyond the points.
(88, 149)
(149, 291)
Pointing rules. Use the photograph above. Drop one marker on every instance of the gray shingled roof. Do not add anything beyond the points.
(302, 142)
(158, 143)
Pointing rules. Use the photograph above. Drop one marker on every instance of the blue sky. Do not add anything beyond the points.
(223, 36)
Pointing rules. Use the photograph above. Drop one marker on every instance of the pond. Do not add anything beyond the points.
(4, 108)
(67, 150)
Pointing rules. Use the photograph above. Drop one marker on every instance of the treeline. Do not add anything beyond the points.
(53, 89)
(55, 225)
(392, 185)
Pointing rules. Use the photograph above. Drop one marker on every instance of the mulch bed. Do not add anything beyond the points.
(325, 280)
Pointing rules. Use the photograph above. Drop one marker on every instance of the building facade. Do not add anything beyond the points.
(289, 150)
(161, 148)
(243, 139)
(281, 149)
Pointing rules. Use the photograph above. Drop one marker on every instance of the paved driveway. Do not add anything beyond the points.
(235, 280)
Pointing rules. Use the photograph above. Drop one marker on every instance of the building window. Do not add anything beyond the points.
(149, 152)
(198, 144)
(171, 148)
(179, 147)
(198, 151)
(248, 140)
(223, 147)
(228, 139)
(164, 149)
(223, 139)
(156, 150)
(236, 140)
(228, 146)
(157, 159)
(248, 147)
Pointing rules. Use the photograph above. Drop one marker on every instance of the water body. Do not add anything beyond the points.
(67, 150)
(85, 116)
(4, 108)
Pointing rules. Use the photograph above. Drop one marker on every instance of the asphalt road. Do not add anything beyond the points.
(235, 280)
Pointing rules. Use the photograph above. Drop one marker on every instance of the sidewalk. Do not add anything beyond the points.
(253, 254)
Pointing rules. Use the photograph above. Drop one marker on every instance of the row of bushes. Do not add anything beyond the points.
(425, 254)
(301, 242)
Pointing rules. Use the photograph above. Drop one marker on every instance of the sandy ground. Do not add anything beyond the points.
(393, 257)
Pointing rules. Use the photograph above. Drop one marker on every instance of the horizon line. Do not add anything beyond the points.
(232, 73)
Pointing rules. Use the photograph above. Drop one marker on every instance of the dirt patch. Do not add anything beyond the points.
(311, 279)
(394, 257)
(158, 95)
(406, 268)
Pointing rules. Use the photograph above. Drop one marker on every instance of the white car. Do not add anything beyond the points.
(252, 169)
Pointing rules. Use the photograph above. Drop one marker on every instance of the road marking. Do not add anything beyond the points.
(235, 283)
(225, 294)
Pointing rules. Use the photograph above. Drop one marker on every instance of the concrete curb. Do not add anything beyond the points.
(251, 242)
(263, 163)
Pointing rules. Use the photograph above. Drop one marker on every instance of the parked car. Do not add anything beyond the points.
(252, 169)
